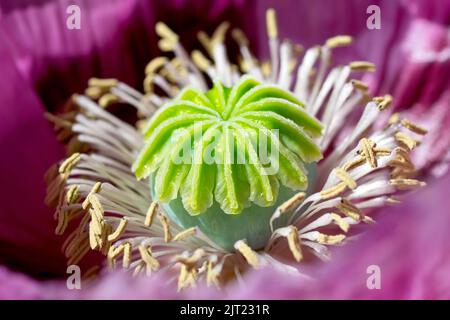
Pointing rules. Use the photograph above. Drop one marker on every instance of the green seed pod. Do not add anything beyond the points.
(225, 159)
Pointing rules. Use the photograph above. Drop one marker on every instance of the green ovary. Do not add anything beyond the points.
(225, 159)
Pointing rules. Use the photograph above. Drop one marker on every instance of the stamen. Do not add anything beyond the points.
(69, 163)
(72, 194)
(271, 23)
(219, 34)
(294, 244)
(292, 202)
(205, 41)
(200, 60)
(406, 140)
(94, 92)
(362, 66)
(165, 224)
(119, 230)
(330, 239)
(404, 184)
(368, 152)
(108, 99)
(349, 209)
(359, 85)
(103, 83)
(211, 275)
(165, 32)
(184, 234)
(147, 257)
(155, 64)
(57, 121)
(339, 41)
(187, 278)
(126, 255)
(239, 37)
(250, 256)
(151, 212)
(395, 118)
(87, 202)
(345, 177)
(333, 191)
(413, 127)
(384, 102)
(343, 225)
(356, 162)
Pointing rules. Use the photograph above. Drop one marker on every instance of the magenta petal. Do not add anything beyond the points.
(17, 286)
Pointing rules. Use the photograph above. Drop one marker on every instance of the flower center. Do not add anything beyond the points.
(218, 153)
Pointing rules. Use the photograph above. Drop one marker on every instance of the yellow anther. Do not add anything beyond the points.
(384, 102)
(362, 66)
(185, 234)
(356, 162)
(94, 240)
(127, 248)
(114, 252)
(339, 41)
(292, 202)
(119, 230)
(165, 32)
(58, 121)
(155, 64)
(103, 83)
(239, 37)
(165, 223)
(413, 127)
(94, 92)
(367, 152)
(343, 225)
(69, 163)
(147, 257)
(359, 85)
(406, 140)
(349, 209)
(108, 99)
(95, 189)
(250, 256)
(62, 222)
(187, 278)
(345, 177)
(330, 239)
(333, 191)
(395, 118)
(150, 215)
(148, 83)
(200, 60)
(271, 23)
(266, 68)
(205, 41)
(219, 34)
(211, 275)
(294, 244)
(392, 200)
(72, 194)
(192, 260)
(404, 184)
(166, 45)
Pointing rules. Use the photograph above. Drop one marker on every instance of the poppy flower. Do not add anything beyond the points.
(346, 150)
